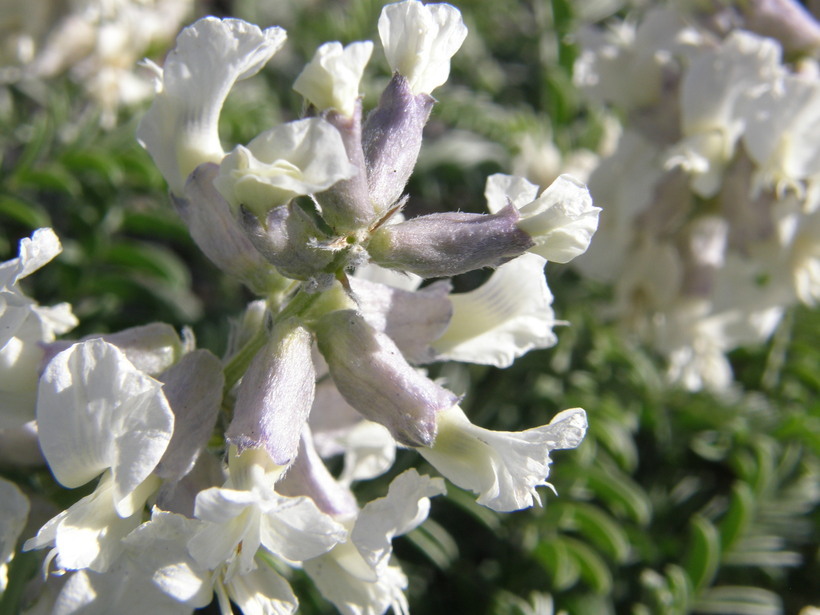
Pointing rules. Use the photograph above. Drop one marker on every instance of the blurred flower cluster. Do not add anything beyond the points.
(711, 224)
(98, 42)
(207, 476)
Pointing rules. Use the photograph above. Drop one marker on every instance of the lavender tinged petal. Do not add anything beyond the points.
(193, 387)
(309, 476)
(413, 320)
(151, 348)
(373, 377)
(392, 140)
(275, 395)
(218, 234)
(442, 245)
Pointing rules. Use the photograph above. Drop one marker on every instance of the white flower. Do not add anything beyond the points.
(503, 319)
(331, 79)
(356, 576)
(248, 514)
(24, 326)
(419, 41)
(293, 159)
(561, 221)
(503, 468)
(89, 533)
(96, 412)
(181, 129)
(783, 133)
(14, 509)
(711, 120)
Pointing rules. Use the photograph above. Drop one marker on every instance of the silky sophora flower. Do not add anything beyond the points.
(180, 130)
(212, 475)
(503, 468)
(715, 237)
(24, 327)
(419, 40)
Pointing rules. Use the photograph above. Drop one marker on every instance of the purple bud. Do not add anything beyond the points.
(446, 244)
(373, 377)
(275, 395)
(788, 21)
(346, 205)
(392, 140)
(215, 230)
(286, 240)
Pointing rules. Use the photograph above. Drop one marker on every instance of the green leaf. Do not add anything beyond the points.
(737, 517)
(704, 552)
(737, 600)
(593, 568)
(31, 215)
(554, 556)
(623, 495)
(597, 527)
(435, 542)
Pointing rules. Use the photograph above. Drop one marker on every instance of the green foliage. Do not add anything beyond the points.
(675, 503)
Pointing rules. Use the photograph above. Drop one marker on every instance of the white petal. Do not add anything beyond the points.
(502, 189)
(159, 549)
(419, 41)
(561, 221)
(180, 130)
(96, 411)
(293, 159)
(354, 595)
(124, 591)
(14, 509)
(331, 79)
(503, 319)
(295, 529)
(404, 508)
(262, 592)
(503, 468)
(37, 251)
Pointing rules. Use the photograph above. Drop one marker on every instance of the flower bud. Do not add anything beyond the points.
(346, 205)
(374, 378)
(331, 79)
(787, 21)
(287, 240)
(446, 244)
(214, 228)
(392, 140)
(275, 395)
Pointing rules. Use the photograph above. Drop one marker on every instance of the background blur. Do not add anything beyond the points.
(675, 502)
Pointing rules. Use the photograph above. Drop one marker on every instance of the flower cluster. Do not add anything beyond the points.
(98, 42)
(229, 455)
(718, 230)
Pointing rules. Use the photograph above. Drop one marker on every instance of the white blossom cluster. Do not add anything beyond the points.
(97, 42)
(207, 476)
(710, 226)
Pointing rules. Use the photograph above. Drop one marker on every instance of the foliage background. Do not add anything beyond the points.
(674, 503)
